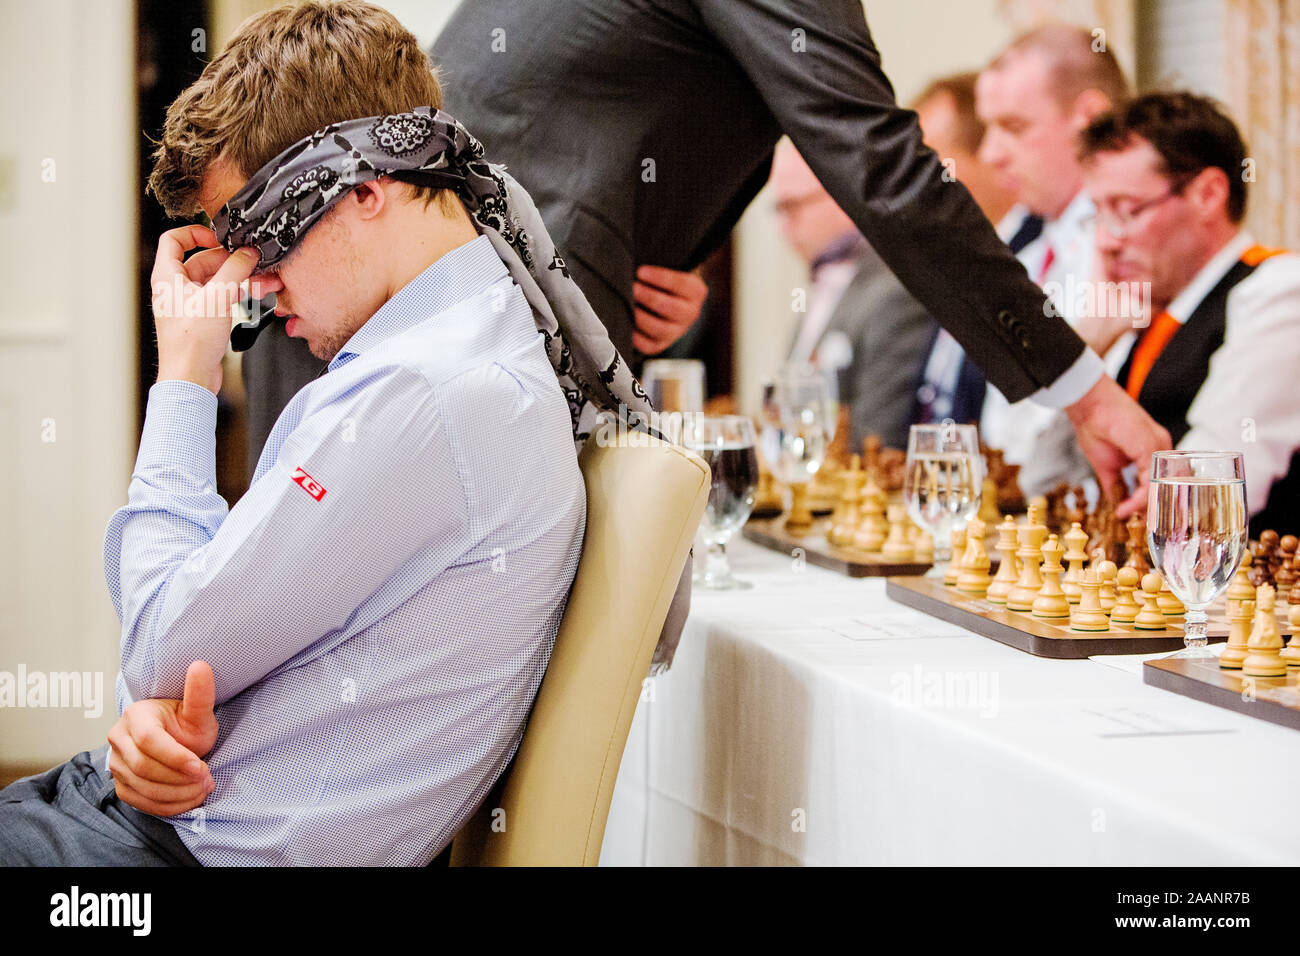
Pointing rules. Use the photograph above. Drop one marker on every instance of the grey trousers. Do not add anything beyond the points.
(71, 816)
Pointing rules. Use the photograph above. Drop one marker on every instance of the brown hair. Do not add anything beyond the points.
(960, 88)
(286, 73)
(1189, 132)
(1074, 66)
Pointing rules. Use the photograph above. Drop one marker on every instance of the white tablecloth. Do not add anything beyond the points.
(811, 720)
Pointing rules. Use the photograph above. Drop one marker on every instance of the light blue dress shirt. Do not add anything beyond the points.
(379, 607)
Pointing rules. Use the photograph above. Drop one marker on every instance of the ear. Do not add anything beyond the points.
(371, 197)
(1208, 192)
(1088, 105)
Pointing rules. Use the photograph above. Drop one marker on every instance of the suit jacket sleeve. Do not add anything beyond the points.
(814, 64)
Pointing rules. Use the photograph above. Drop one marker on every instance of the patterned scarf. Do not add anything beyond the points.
(288, 195)
(426, 147)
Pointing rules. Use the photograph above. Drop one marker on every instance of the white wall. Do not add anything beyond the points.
(67, 350)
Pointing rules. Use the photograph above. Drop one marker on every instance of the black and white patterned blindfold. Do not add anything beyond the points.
(287, 196)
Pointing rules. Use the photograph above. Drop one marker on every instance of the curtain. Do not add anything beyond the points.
(1260, 85)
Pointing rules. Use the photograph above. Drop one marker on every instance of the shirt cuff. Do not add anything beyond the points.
(1086, 372)
(180, 430)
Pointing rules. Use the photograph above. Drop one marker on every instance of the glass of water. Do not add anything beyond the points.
(1197, 529)
(726, 442)
(943, 480)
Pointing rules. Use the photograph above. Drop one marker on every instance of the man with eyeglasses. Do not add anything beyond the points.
(1217, 362)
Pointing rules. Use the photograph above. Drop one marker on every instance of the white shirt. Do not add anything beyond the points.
(379, 607)
(1248, 402)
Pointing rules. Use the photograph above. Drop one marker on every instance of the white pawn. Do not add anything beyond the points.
(898, 546)
(1150, 618)
(974, 577)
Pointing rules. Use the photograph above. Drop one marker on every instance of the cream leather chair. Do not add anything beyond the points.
(643, 507)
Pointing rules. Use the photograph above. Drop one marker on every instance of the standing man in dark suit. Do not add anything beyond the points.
(895, 366)
(643, 128)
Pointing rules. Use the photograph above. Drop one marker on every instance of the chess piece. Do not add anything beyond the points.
(1293, 612)
(989, 503)
(924, 547)
(844, 522)
(957, 554)
(1076, 540)
(1126, 606)
(1087, 615)
(1008, 567)
(768, 502)
(1240, 615)
(872, 526)
(897, 547)
(1030, 582)
(1170, 606)
(1106, 572)
(1265, 644)
(1287, 573)
(974, 577)
(823, 491)
(1241, 589)
(1292, 652)
(871, 446)
(1051, 600)
(1137, 545)
(799, 521)
(1261, 568)
(1150, 617)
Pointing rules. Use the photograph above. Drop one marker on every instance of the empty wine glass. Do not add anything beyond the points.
(799, 412)
(1197, 530)
(726, 442)
(942, 481)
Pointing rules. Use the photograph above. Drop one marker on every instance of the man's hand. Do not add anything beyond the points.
(191, 303)
(157, 746)
(667, 303)
(1113, 430)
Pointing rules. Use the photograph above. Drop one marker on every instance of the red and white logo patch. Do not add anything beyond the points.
(309, 484)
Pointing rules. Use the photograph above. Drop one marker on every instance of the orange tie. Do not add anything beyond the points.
(1148, 349)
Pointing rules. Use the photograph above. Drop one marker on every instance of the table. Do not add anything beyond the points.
(811, 720)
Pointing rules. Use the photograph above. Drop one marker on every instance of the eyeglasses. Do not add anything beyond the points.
(1118, 223)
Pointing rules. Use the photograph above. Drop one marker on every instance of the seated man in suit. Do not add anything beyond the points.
(860, 320)
(378, 610)
(1217, 364)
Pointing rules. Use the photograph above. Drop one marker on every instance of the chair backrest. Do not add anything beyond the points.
(643, 507)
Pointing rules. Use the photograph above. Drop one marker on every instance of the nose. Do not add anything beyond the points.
(264, 284)
(992, 151)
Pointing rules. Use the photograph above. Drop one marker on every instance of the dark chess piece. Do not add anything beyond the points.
(1137, 545)
(1261, 568)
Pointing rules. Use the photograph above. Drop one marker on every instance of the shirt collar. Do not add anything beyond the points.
(1072, 220)
(465, 269)
(1186, 302)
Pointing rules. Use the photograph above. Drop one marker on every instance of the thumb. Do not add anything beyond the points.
(225, 283)
(200, 696)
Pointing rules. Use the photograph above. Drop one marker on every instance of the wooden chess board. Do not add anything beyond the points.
(1046, 637)
(771, 533)
(1275, 699)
